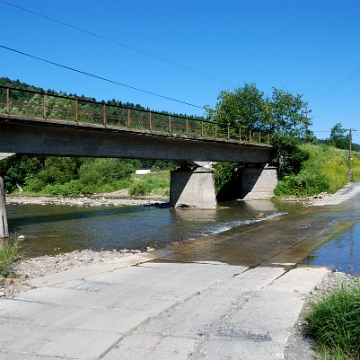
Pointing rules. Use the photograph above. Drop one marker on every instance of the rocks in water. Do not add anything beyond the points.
(260, 216)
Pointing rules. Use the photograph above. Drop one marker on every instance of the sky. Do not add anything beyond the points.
(178, 55)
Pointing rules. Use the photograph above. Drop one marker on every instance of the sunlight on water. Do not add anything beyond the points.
(51, 229)
(342, 253)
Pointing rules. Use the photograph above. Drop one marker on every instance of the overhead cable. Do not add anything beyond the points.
(336, 87)
(339, 99)
(117, 43)
(99, 77)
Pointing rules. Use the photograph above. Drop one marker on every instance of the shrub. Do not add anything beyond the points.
(9, 253)
(138, 189)
(334, 322)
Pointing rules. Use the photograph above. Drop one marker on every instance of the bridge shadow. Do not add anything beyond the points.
(95, 212)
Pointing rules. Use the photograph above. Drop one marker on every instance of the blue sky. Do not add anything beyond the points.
(190, 50)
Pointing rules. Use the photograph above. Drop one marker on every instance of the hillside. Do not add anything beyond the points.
(326, 170)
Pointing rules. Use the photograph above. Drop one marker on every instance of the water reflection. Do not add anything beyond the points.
(341, 253)
(52, 229)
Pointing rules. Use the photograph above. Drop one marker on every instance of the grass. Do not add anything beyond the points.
(334, 323)
(154, 183)
(326, 170)
(9, 254)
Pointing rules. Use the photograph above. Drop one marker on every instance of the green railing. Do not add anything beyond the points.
(17, 102)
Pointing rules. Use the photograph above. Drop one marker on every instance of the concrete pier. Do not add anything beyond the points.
(192, 188)
(258, 182)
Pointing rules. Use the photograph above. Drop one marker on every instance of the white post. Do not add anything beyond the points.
(4, 232)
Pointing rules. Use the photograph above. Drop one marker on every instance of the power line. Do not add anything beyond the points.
(336, 87)
(339, 99)
(97, 77)
(117, 43)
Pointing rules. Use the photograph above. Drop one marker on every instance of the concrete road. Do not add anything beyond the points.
(141, 308)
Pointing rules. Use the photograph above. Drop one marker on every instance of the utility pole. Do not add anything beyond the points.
(350, 158)
(307, 124)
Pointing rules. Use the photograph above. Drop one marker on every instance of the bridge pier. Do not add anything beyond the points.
(192, 188)
(4, 232)
(258, 182)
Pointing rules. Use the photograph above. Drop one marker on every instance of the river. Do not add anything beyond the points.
(52, 229)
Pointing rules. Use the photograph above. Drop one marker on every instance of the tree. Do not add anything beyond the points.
(338, 137)
(243, 109)
(282, 115)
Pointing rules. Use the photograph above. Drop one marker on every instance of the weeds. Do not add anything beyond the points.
(153, 183)
(9, 254)
(326, 170)
(334, 323)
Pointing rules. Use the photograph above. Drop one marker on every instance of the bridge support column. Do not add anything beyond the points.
(4, 232)
(258, 182)
(192, 188)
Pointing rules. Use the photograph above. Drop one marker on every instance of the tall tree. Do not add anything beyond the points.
(243, 109)
(338, 137)
(282, 115)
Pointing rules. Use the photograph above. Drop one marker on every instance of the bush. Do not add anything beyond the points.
(138, 189)
(9, 253)
(325, 170)
(334, 322)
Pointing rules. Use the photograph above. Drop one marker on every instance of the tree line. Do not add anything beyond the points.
(246, 108)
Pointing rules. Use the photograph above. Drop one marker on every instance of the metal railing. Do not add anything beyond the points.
(58, 107)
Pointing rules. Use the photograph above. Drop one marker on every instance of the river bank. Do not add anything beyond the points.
(111, 199)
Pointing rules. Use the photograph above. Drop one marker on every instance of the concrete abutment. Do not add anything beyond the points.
(192, 188)
(258, 182)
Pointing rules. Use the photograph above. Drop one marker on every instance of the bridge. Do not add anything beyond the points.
(36, 123)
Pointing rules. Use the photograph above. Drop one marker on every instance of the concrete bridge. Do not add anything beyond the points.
(66, 126)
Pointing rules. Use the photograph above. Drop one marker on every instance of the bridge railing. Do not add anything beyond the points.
(47, 106)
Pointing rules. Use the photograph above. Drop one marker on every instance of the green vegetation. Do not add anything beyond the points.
(9, 254)
(303, 169)
(66, 176)
(156, 183)
(325, 169)
(334, 323)
(71, 176)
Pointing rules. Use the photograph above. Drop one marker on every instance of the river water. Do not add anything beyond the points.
(52, 229)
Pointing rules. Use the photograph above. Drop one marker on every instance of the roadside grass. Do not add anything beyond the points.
(153, 183)
(9, 254)
(334, 323)
(326, 170)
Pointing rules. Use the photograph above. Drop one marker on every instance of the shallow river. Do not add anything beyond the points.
(52, 229)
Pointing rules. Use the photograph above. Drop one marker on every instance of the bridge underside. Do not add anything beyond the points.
(65, 138)
(189, 187)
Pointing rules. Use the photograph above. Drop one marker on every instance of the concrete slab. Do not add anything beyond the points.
(80, 273)
(213, 349)
(140, 276)
(253, 279)
(153, 346)
(131, 290)
(14, 356)
(197, 316)
(97, 300)
(70, 317)
(266, 316)
(56, 342)
(301, 280)
(157, 311)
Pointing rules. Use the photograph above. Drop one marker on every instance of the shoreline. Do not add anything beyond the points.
(82, 200)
